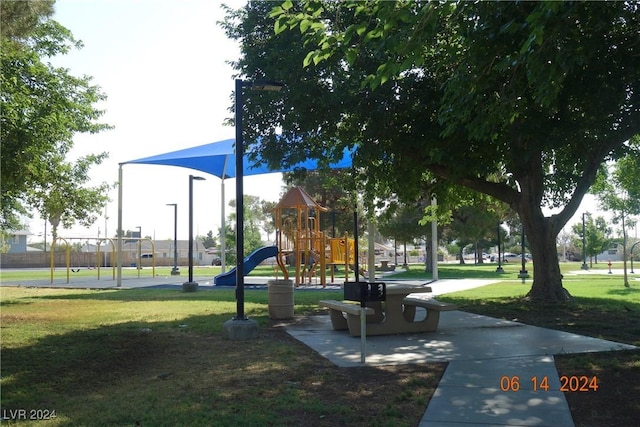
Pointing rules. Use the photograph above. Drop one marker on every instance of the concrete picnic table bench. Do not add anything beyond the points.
(396, 315)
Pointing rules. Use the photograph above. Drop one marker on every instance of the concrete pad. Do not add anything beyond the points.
(460, 336)
(482, 352)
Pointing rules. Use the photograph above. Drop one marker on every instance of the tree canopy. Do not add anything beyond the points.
(522, 101)
(64, 199)
(43, 106)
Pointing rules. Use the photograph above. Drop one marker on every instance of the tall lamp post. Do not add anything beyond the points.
(191, 285)
(175, 271)
(139, 261)
(584, 244)
(239, 327)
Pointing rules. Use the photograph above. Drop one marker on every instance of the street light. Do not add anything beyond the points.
(264, 85)
(191, 285)
(175, 271)
(584, 243)
(139, 261)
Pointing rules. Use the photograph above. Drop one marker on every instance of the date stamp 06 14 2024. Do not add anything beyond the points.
(572, 383)
(28, 414)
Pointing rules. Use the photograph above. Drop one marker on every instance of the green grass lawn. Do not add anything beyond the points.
(156, 357)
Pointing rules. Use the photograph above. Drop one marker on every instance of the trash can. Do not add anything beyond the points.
(280, 299)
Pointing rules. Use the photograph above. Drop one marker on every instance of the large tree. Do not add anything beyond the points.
(540, 93)
(618, 190)
(43, 106)
(65, 198)
(596, 236)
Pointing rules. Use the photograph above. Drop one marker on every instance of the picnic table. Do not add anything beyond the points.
(396, 315)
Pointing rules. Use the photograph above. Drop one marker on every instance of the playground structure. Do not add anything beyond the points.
(300, 241)
(99, 241)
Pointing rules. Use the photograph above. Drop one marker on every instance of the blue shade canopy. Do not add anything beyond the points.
(218, 158)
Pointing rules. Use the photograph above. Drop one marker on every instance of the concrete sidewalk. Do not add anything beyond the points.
(482, 352)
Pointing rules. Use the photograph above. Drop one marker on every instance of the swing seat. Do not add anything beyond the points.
(75, 270)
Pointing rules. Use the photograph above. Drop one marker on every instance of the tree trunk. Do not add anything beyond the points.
(542, 233)
(428, 257)
(54, 228)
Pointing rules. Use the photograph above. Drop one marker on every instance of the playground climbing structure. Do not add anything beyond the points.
(301, 243)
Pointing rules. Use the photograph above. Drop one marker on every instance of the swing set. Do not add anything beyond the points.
(76, 268)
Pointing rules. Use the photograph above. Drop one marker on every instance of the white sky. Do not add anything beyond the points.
(162, 65)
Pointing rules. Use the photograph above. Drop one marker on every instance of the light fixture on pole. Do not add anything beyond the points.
(247, 330)
(191, 286)
(175, 271)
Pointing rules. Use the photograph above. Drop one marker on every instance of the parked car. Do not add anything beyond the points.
(511, 257)
(216, 261)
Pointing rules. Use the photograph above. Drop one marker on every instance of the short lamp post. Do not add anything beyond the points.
(499, 269)
(191, 286)
(240, 328)
(175, 271)
(584, 243)
(524, 274)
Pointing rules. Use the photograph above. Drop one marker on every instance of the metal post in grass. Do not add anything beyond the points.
(175, 271)
(239, 327)
(190, 285)
(584, 243)
(499, 269)
(524, 274)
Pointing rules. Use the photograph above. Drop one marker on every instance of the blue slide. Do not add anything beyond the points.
(250, 262)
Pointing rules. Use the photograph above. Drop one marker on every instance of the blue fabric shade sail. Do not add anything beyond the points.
(218, 158)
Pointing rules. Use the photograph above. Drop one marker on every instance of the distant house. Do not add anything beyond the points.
(15, 241)
(164, 249)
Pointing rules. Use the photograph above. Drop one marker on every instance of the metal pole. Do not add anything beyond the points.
(371, 258)
(190, 228)
(624, 250)
(239, 204)
(119, 231)
(240, 84)
(434, 240)
(175, 239)
(175, 271)
(363, 312)
(499, 269)
(363, 333)
(223, 234)
(584, 245)
(522, 250)
(523, 272)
